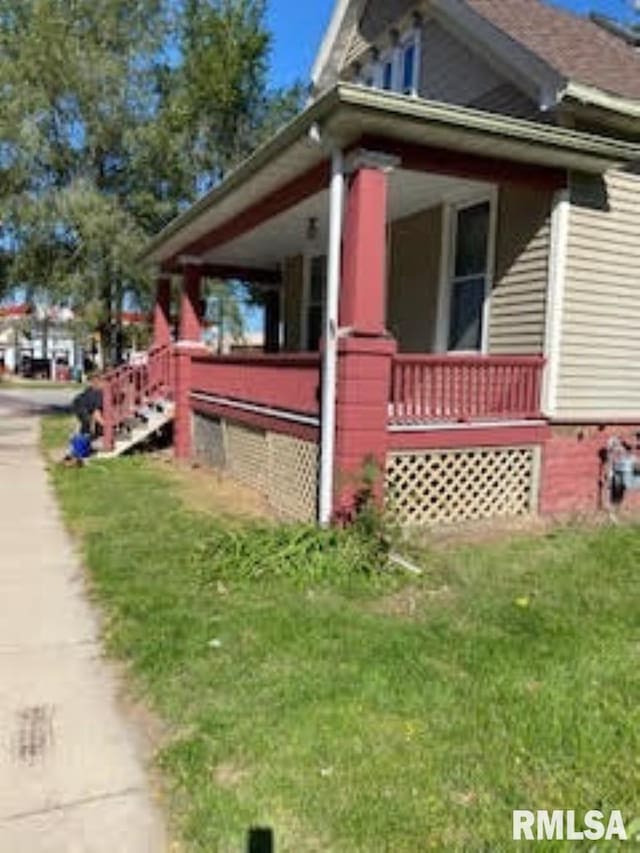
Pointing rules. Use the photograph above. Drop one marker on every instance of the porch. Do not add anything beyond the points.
(405, 281)
(425, 392)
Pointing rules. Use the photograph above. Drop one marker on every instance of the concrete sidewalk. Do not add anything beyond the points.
(72, 779)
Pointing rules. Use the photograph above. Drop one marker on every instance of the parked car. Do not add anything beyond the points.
(35, 368)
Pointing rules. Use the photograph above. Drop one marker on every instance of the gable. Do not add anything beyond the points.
(450, 70)
(543, 62)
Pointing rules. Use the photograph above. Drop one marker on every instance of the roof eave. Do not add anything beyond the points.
(566, 148)
(287, 135)
(591, 96)
(595, 153)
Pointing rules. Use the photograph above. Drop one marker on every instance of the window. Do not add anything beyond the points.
(387, 74)
(409, 67)
(315, 302)
(470, 276)
(398, 69)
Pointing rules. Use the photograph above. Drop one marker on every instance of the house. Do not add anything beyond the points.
(39, 336)
(448, 240)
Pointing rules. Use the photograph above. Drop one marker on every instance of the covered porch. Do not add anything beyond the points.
(404, 251)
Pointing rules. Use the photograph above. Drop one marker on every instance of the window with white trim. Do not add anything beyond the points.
(470, 275)
(397, 69)
(388, 73)
(410, 64)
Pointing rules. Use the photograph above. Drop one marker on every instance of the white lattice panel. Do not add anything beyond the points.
(442, 487)
(246, 455)
(293, 477)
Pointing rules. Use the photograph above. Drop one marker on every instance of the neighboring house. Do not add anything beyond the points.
(478, 291)
(46, 334)
(29, 333)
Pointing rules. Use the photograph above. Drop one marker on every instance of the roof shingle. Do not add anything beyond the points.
(576, 47)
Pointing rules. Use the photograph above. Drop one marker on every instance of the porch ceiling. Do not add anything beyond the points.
(348, 114)
(286, 235)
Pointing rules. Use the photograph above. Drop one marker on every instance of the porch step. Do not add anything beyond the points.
(152, 423)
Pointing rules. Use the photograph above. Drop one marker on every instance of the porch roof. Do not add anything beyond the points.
(291, 166)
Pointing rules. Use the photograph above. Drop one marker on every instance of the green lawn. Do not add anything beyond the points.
(351, 711)
(56, 432)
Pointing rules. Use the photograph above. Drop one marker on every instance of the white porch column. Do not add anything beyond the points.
(555, 299)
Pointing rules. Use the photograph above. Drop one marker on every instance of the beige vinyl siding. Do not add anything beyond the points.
(450, 71)
(506, 99)
(518, 302)
(293, 279)
(599, 370)
(414, 268)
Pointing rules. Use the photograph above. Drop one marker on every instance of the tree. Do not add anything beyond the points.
(77, 78)
(115, 115)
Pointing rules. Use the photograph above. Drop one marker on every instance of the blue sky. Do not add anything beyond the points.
(298, 26)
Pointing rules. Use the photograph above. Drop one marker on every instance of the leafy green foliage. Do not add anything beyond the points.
(115, 115)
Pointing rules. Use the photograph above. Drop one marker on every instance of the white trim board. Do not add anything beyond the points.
(447, 250)
(441, 426)
(560, 217)
(256, 408)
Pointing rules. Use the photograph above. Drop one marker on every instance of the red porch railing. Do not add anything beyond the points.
(426, 389)
(160, 373)
(290, 382)
(129, 387)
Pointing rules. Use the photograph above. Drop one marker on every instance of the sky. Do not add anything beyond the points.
(298, 26)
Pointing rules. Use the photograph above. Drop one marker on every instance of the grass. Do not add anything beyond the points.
(348, 710)
(56, 432)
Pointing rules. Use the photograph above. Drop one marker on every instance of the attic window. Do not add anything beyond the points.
(410, 69)
(387, 74)
(397, 69)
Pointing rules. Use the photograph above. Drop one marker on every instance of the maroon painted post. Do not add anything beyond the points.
(364, 378)
(182, 427)
(363, 296)
(108, 415)
(366, 351)
(190, 305)
(162, 312)
(189, 344)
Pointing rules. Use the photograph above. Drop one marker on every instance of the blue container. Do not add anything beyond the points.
(80, 446)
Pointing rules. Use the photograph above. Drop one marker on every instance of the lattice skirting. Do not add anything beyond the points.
(208, 441)
(430, 488)
(281, 467)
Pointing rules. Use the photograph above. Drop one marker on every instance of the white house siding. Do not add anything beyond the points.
(518, 303)
(599, 370)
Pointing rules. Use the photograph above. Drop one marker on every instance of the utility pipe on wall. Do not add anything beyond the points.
(330, 355)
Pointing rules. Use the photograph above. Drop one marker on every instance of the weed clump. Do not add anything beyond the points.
(300, 552)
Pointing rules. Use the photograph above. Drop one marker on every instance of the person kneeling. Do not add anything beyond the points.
(87, 407)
